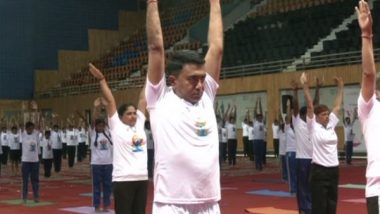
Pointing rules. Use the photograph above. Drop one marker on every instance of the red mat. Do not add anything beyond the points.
(235, 183)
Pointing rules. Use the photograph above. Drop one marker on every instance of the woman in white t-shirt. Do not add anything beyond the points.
(325, 164)
(282, 146)
(101, 165)
(130, 173)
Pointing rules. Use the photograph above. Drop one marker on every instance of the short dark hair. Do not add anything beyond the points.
(121, 110)
(29, 125)
(320, 108)
(178, 59)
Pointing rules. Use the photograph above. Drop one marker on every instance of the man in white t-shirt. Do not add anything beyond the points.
(30, 142)
(304, 151)
(57, 148)
(369, 110)
(72, 137)
(275, 134)
(349, 136)
(4, 144)
(183, 121)
(244, 127)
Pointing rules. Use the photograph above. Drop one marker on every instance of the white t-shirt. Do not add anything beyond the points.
(72, 137)
(244, 127)
(348, 133)
(250, 132)
(101, 154)
(231, 131)
(258, 130)
(129, 149)
(290, 139)
(275, 131)
(282, 142)
(47, 148)
(4, 139)
(369, 114)
(63, 136)
(30, 146)
(56, 140)
(82, 135)
(303, 143)
(14, 141)
(187, 148)
(224, 135)
(325, 141)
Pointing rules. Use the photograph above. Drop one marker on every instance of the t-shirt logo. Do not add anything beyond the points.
(103, 145)
(261, 128)
(137, 142)
(32, 147)
(201, 130)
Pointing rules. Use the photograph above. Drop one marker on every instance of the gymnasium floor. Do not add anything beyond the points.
(243, 190)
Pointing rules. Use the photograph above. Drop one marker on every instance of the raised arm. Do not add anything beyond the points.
(247, 115)
(141, 105)
(156, 52)
(106, 91)
(226, 114)
(233, 113)
(215, 41)
(344, 116)
(368, 63)
(306, 91)
(339, 96)
(258, 108)
(288, 112)
(255, 109)
(96, 111)
(354, 116)
(280, 118)
(295, 98)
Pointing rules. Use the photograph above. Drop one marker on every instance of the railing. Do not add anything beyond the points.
(329, 60)
(91, 88)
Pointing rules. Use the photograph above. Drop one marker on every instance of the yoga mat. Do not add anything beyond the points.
(352, 186)
(267, 192)
(269, 210)
(85, 210)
